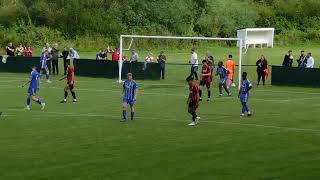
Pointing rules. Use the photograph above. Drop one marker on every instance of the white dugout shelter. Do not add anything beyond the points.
(256, 36)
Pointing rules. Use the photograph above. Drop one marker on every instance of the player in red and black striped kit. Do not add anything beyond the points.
(206, 79)
(193, 100)
(70, 84)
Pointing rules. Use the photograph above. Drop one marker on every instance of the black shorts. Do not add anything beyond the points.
(193, 106)
(204, 83)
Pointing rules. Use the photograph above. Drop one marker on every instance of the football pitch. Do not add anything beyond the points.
(86, 140)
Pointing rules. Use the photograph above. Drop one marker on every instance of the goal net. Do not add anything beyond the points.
(127, 44)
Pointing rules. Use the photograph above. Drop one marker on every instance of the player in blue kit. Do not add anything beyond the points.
(223, 74)
(43, 66)
(246, 86)
(33, 88)
(130, 88)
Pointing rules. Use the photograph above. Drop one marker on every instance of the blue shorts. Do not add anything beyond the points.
(32, 91)
(128, 101)
(244, 97)
(44, 69)
(223, 81)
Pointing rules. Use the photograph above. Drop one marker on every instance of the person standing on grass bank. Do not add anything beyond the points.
(194, 64)
(162, 62)
(288, 59)
(246, 86)
(73, 54)
(231, 66)
(134, 56)
(33, 88)
(262, 65)
(302, 61)
(10, 49)
(55, 56)
(193, 100)
(116, 55)
(149, 59)
(130, 88)
(310, 61)
(66, 61)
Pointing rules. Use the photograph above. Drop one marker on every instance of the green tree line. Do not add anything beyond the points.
(91, 23)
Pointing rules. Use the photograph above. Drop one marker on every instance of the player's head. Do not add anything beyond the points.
(302, 52)
(190, 79)
(230, 56)
(309, 54)
(193, 50)
(220, 63)
(204, 62)
(244, 75)
(33, 67)
(290, 52)
(129, 76)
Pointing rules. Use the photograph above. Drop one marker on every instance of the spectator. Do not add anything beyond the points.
(134, 56)
(124, 58)
(47, 48)
(73, 54)
(28, 52)
(288, 59)
(116, 55)
(310, 61)
(55, 61)
(148, 59)
(262, 65)
(302, 61)
(162, 62)
(194, 64)
(101, 55)
(20, 50)
(10, 49)
(66, 61)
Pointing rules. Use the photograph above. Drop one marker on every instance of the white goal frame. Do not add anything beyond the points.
(238, 40)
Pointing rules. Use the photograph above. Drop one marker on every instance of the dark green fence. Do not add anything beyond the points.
(87, 67)
(294, 76)
(19, 64)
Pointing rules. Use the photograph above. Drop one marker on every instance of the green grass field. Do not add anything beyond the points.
(86, 140)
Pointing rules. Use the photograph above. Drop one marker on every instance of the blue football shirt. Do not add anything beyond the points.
(129, 88)
(34, 79)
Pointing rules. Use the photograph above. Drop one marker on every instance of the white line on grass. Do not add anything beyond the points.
(175, 120)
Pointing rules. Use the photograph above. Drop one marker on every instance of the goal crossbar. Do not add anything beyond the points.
(181, 38)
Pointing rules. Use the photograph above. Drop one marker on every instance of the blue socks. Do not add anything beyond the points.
(47, 76)
(28, 101)
(39, 101)
(124, 114)
(245, 108)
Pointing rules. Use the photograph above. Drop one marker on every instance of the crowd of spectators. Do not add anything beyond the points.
(103, 54)
(19, 50)
(304, 60)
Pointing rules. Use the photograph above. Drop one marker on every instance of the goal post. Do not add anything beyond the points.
(122, 37)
